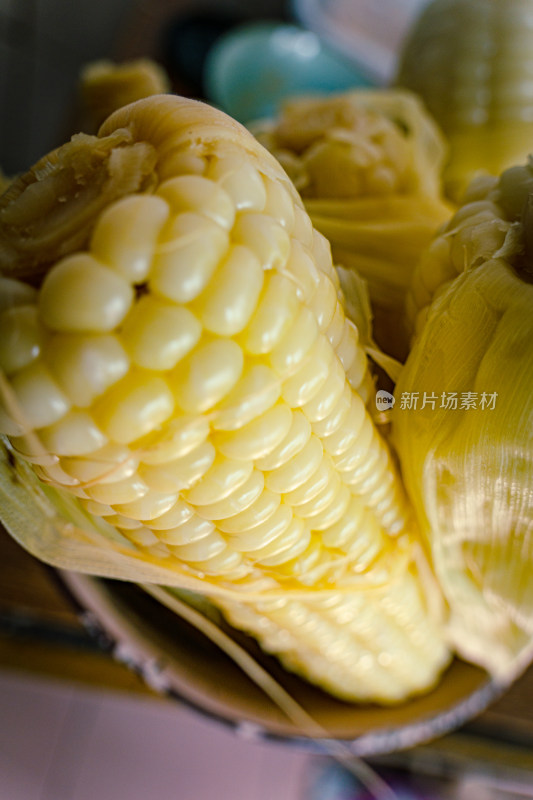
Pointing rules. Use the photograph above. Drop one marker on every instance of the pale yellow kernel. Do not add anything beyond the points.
(322, 499)
(297, 437)
(149, 507)
(357, 372)
(260, 510)
(332, 422)
(301, 387)
(258, 437)
(179, 513)
(227, 563)
(353, 456)
(189, 250)
(55, 474)
(298, 469)
(207, 375)
(326, 399)
(375, 467)
(265, 237)
(256, 391)
(180, 163)
(264, 533)
(324, 302)
(227, 304)
(199, 194)
(279, 203)
(222, 478)
(142, 537)
(302, 269)
(312, 486)
(302, 228)
(332, 512)
(322, 254)
(349, 344)
(31, 448)
(180, 473)
(297, 341)
(20, 337)
(9, 426)
(112, 462)
(158, 334)
(125, 235)
(119, 492)
(277, 307)
(391, 515)
(276, 552)
(16, 293)
(239, 178)
(75, 434)
(124, 523)
(179, 436)
(85, 366)
(349, 429)
(341, 533)
(160, 550)
(238, 501)
(380, 481)
(365, 544)
(81, 294)
(201, 550)
(97, 509)
(335, 329)
(299, 560)
(39, 400)
(191, 530)
(135, 406)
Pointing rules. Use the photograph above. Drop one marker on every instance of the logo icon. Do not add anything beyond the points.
(384, 400)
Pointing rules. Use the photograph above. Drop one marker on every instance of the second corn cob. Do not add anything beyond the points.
(185, 371)
(368, 166)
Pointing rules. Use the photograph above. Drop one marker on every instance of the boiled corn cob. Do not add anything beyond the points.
(186, 373)
(463, 420)
(368, 166)
(471, 61)
(106, 86)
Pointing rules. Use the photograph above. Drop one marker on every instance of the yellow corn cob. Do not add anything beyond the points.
(470, 61)
(185, 371)
(466, 448)
(367, 165)
(106, 86)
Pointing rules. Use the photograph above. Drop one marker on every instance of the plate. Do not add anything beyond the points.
(178, 661)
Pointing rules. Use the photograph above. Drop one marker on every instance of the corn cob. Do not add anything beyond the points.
(466, 446)
(470, 61)
(106, 86)
(186, 372)
(367, 165)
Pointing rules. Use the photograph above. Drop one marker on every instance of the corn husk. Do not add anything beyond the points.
(468, 468)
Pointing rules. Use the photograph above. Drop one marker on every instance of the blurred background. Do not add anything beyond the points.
(75, 724)
(45, 43)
